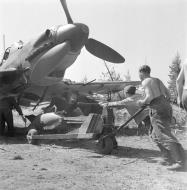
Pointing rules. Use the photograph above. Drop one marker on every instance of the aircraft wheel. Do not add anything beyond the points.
(29, 136)
(105, 145)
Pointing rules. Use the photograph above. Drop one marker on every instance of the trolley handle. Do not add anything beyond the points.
(133, 116)
(123, 125)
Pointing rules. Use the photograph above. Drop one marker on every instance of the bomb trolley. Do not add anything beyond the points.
(91, 127)
(107, 140)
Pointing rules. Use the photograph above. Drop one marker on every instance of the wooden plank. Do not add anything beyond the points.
(74, 122)
(78, 118)
(97, 124)
(85, 125)
(63, 136)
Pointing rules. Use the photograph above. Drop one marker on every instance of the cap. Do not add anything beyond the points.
(130, 89)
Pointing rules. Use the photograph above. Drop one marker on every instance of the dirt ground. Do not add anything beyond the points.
(77, 165)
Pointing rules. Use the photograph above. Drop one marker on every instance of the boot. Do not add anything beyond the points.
(177, 153)
(166, 157)
(176, 166)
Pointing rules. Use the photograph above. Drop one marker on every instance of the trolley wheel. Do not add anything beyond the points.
(105, 145)
(115, 143)
(29, 136)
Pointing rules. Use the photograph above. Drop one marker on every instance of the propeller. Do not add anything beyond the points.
(68, 16)
(95, 47)
(103, 51)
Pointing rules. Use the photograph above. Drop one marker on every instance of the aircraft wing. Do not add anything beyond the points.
(82, 88)
(93, 87)
(42, 94)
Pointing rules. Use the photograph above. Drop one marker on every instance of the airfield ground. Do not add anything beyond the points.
(77, 165)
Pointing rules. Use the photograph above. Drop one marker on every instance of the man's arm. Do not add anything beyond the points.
(179, 84)
(16, 106)
(18, 109)
(52, 103)
(165, 90)
(118, 104)
(148, 93)
(168, 96)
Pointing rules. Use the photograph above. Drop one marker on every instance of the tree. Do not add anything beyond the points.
(85, 79)
(127, 76)
(173, 74)
(111, 75)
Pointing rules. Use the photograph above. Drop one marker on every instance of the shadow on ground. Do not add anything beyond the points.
(13, 140)
(147, 155)
(121, 152)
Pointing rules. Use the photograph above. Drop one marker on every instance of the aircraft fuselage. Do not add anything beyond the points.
(49, 55)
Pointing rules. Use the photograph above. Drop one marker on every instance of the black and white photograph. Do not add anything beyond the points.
(93, 95)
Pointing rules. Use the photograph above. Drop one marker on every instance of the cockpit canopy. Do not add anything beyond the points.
(10, 50)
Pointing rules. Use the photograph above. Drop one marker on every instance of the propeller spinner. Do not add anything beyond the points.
(69, 40)
(95, 47)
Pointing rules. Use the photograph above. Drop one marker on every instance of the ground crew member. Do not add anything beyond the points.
(58, 103)
(157, 96)
(66, 103)
(130, 103)
(6, 106)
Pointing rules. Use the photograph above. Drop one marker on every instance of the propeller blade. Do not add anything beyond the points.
(103, 51)
(64, 5)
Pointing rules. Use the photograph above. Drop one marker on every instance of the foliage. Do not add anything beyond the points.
(180, 116)
(85, 79)
(173, 74)
(127, 76)
(111, 75)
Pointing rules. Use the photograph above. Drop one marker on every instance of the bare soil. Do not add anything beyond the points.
(76, 165)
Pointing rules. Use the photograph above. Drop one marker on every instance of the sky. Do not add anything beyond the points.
(143, 31)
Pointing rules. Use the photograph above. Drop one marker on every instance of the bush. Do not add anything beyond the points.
(180, 116)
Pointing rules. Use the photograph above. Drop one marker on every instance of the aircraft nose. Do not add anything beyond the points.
(84, 28)
(76, 34)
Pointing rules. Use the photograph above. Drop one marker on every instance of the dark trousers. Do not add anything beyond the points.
(176, 152)
(6, 117)
(161, 115)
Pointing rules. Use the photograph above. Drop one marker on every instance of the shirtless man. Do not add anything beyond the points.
(157, 96)
(181, 84)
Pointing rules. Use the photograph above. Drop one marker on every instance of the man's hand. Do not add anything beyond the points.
(140, 102)
(103, 104)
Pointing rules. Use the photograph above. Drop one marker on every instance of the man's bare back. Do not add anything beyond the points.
(154, 88)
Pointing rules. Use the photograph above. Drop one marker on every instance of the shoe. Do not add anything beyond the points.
(175, 166)
(165, 162)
